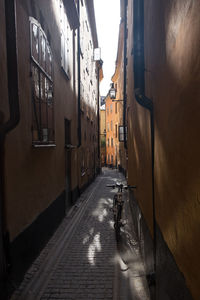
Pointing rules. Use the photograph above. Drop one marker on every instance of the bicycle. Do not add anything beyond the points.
(118, 202)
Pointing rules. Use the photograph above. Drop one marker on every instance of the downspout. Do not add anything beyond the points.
(98, 117)
(5, 128)
(79, 76)
(139, 84)
(125, 72)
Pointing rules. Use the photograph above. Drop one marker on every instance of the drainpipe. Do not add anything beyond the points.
(79, 77)
(125, 72)
(139, 83)
(99, 66)
(98, 117)
(5, 128)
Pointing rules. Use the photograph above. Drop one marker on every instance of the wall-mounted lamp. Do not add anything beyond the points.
(112, 93)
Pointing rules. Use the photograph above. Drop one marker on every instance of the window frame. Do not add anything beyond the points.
(121, 133)
(64, 41)
(42, 136)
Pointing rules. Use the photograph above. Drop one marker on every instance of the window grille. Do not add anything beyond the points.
(121, 133)
(42, 86)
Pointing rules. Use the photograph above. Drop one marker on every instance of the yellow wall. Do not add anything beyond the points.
(172, 64)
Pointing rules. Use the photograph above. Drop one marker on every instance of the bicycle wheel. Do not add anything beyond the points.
(117, 224)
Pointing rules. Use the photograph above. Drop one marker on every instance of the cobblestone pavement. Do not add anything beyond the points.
(79, 261)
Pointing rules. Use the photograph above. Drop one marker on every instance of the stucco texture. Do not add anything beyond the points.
(35, 177)
(172, 74)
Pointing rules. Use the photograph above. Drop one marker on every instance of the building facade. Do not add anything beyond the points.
(116, 151)
(90, 76)
(47, 65)
(162, 111)
(103, 135)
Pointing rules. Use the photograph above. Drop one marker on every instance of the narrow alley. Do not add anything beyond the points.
(93, 93)
(80, 261)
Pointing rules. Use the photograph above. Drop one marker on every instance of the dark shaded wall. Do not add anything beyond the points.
(35, 202)
(172, 74)
(41, 183)
(36, 176)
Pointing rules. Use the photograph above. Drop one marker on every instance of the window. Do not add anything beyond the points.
(107, 110)
(111, 142)
(116, 107)
(82, 96)
(67, 133)
(83, 162)
(116, 130)
(65, 33)
(108, 142)
(108, 158)
(108, 127)
(111, 108)
(42, 86)
(121, 133)
(111, 125)
(111, 159)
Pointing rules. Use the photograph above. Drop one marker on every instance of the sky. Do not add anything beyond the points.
(107, 14)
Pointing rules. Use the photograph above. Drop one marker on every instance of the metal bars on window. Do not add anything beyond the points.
(42, 86)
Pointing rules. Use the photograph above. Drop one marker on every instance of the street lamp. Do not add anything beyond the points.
(112, 93)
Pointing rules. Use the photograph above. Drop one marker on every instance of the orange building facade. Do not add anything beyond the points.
(103, 135)
(115, 146)
(113, 121)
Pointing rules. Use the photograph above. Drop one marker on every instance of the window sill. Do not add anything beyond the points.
(44, 145)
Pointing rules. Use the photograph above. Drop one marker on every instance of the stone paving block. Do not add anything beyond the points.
(84, 267)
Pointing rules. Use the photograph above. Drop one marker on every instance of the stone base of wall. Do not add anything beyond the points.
(28, 244)
(74, 195)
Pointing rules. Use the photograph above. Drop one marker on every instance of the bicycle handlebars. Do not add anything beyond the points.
(120, 185)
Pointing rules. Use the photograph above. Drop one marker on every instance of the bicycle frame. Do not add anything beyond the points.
(118, 202)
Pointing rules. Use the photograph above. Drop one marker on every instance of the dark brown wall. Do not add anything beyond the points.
(3, 81)
(35, 177)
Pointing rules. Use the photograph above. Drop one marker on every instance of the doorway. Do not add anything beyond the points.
(68, 196)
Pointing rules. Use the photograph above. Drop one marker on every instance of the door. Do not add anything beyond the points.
(68, 196)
